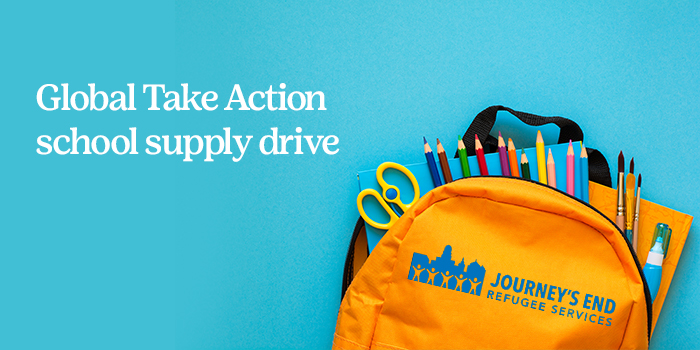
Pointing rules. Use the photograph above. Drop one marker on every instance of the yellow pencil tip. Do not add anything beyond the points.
(539, 137)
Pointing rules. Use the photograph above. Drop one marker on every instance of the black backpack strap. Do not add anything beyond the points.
(599, 171)
(357, 254)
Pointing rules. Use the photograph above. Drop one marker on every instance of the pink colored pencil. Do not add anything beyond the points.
(551, 171)
(570, 169)
(503, 154)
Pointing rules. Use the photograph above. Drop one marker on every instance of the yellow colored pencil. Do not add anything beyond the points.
(541, 160)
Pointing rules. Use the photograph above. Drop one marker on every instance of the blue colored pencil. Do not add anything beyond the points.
(431, 164)
(584, 174)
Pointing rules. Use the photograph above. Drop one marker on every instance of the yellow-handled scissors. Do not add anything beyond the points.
(390, 195)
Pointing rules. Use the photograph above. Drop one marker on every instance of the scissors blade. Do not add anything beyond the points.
(396, 209)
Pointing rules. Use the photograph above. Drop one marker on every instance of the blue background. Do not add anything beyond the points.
(149, 252)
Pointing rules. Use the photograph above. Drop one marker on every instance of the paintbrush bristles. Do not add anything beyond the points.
(621, 163)
(639, 181)
(632, 166)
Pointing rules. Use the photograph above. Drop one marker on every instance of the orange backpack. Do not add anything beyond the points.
(495, 262)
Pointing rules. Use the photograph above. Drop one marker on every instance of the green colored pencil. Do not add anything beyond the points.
(463, 157)
(524, 166)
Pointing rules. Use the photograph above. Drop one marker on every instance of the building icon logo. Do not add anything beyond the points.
(443, 272)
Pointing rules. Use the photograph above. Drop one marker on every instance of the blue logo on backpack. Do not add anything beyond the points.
(443, 272)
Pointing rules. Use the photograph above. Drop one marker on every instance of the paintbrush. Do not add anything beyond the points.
(629, 201)
(620, 218)
(635, 227)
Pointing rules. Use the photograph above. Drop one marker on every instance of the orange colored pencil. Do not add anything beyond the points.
(513, 159)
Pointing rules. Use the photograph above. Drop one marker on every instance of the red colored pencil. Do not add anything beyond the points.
(480, 156)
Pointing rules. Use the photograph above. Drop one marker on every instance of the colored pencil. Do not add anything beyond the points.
(629, 200)
(463, 157)
(635, 227)
(483, 169)
(513, 159)
(551, 171)
(444, 165)
(570, 185)
(525, 165)
(620, 217)
(502, 153)
(584, 174)
(541, 162)
(431, 164)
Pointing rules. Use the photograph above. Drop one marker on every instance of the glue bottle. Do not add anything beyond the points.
(652, 269)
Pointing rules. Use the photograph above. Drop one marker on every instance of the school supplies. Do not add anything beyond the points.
(620, 218)
(541, 162)
(431, 164)
(367, 179)
(463, 158)
(584, 174)
(570, 174)
(635, 226)
(443, 163)
(551, 171)
(603, 198)
(652, 269)
(629, 202)
(390, 195)
(502, 153)
(483, 169)
(525, 166)
(385, 266)
(513, 159)
(664, 231)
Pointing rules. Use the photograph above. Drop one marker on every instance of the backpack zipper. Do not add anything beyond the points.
(647, 294)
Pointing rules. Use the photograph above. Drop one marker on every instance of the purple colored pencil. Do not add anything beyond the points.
(503, 153)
